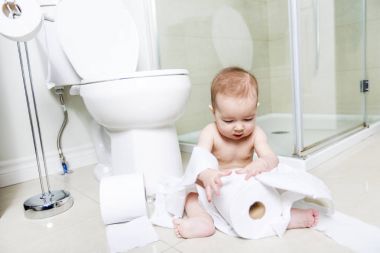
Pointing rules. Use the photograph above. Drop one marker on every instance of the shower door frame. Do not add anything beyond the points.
(300, 150)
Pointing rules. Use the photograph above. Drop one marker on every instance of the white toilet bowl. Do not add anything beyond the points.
(135, 112)
(138, 113)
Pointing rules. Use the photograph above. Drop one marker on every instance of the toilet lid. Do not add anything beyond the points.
(99, 37)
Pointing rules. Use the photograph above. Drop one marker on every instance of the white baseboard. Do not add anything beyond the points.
(25, 168)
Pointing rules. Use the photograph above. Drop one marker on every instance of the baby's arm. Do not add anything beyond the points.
(210, 178)
(267, 158)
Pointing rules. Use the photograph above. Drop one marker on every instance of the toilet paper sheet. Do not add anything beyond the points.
(171, 194)
(350, 232)
(23, 27)
(291, 187)
(125, 236)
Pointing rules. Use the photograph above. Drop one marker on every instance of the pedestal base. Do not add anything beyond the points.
(44, 206)
(154, 152)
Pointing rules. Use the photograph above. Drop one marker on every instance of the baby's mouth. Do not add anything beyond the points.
(238, 135)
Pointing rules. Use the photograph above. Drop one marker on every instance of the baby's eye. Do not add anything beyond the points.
(227, 121)
(248, 119)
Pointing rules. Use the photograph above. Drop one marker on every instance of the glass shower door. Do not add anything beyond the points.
(332, 65)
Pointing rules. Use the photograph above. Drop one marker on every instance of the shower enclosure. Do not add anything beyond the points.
(313, 60)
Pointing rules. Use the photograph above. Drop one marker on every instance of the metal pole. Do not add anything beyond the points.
(37, 119)
(31, 119)
(364, 61)
(297, 98)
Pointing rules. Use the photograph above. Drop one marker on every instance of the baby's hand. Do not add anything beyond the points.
(211, 180)
(252, 170)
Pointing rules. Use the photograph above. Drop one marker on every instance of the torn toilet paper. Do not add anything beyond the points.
(291, 187)
(125, 236)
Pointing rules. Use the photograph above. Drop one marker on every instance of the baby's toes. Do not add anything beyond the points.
(177, 224)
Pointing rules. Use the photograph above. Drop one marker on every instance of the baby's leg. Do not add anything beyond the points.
(198, 222)
(303, 218)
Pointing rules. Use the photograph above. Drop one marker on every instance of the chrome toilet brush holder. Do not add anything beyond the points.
(48, 203)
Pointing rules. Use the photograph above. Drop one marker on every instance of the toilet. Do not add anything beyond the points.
(93, 46)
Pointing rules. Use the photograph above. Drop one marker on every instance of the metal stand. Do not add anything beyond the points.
(48, 203)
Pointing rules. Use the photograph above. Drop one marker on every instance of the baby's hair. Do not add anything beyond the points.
(234, 81)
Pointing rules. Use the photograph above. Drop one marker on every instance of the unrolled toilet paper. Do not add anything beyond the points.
(122, 198)
(125, 236)
(350, 232)
(251, 209)
(22, 27)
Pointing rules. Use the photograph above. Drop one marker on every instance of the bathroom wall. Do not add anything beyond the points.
(281, 91)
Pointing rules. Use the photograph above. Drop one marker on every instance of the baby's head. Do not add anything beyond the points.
(234, 82)
(234, 98)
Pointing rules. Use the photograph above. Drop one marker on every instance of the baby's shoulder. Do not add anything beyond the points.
(259, 134)
(258, 130)
(210, 128)
(207, 135)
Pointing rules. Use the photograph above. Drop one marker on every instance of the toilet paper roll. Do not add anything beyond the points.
(22, 27)
(251, 209)
(122, 198)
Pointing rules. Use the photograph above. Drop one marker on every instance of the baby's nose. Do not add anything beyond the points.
(239, 128)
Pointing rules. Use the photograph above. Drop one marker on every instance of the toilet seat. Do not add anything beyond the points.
(104, 44)
(139, 74)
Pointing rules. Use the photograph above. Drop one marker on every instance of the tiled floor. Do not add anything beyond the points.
(353, 177)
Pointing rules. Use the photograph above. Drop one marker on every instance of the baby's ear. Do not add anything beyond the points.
(211, 108)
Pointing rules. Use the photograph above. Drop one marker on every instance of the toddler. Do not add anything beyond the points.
(233, 138)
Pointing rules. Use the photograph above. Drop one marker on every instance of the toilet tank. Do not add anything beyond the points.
(62, 72)
(59, 70)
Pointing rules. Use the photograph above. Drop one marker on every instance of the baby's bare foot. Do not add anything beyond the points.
(303, 218)
(194, 227)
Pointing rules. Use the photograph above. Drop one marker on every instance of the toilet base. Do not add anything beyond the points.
(154, 152)
(101, 171)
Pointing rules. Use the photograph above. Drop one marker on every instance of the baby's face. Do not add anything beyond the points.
(235, 117)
